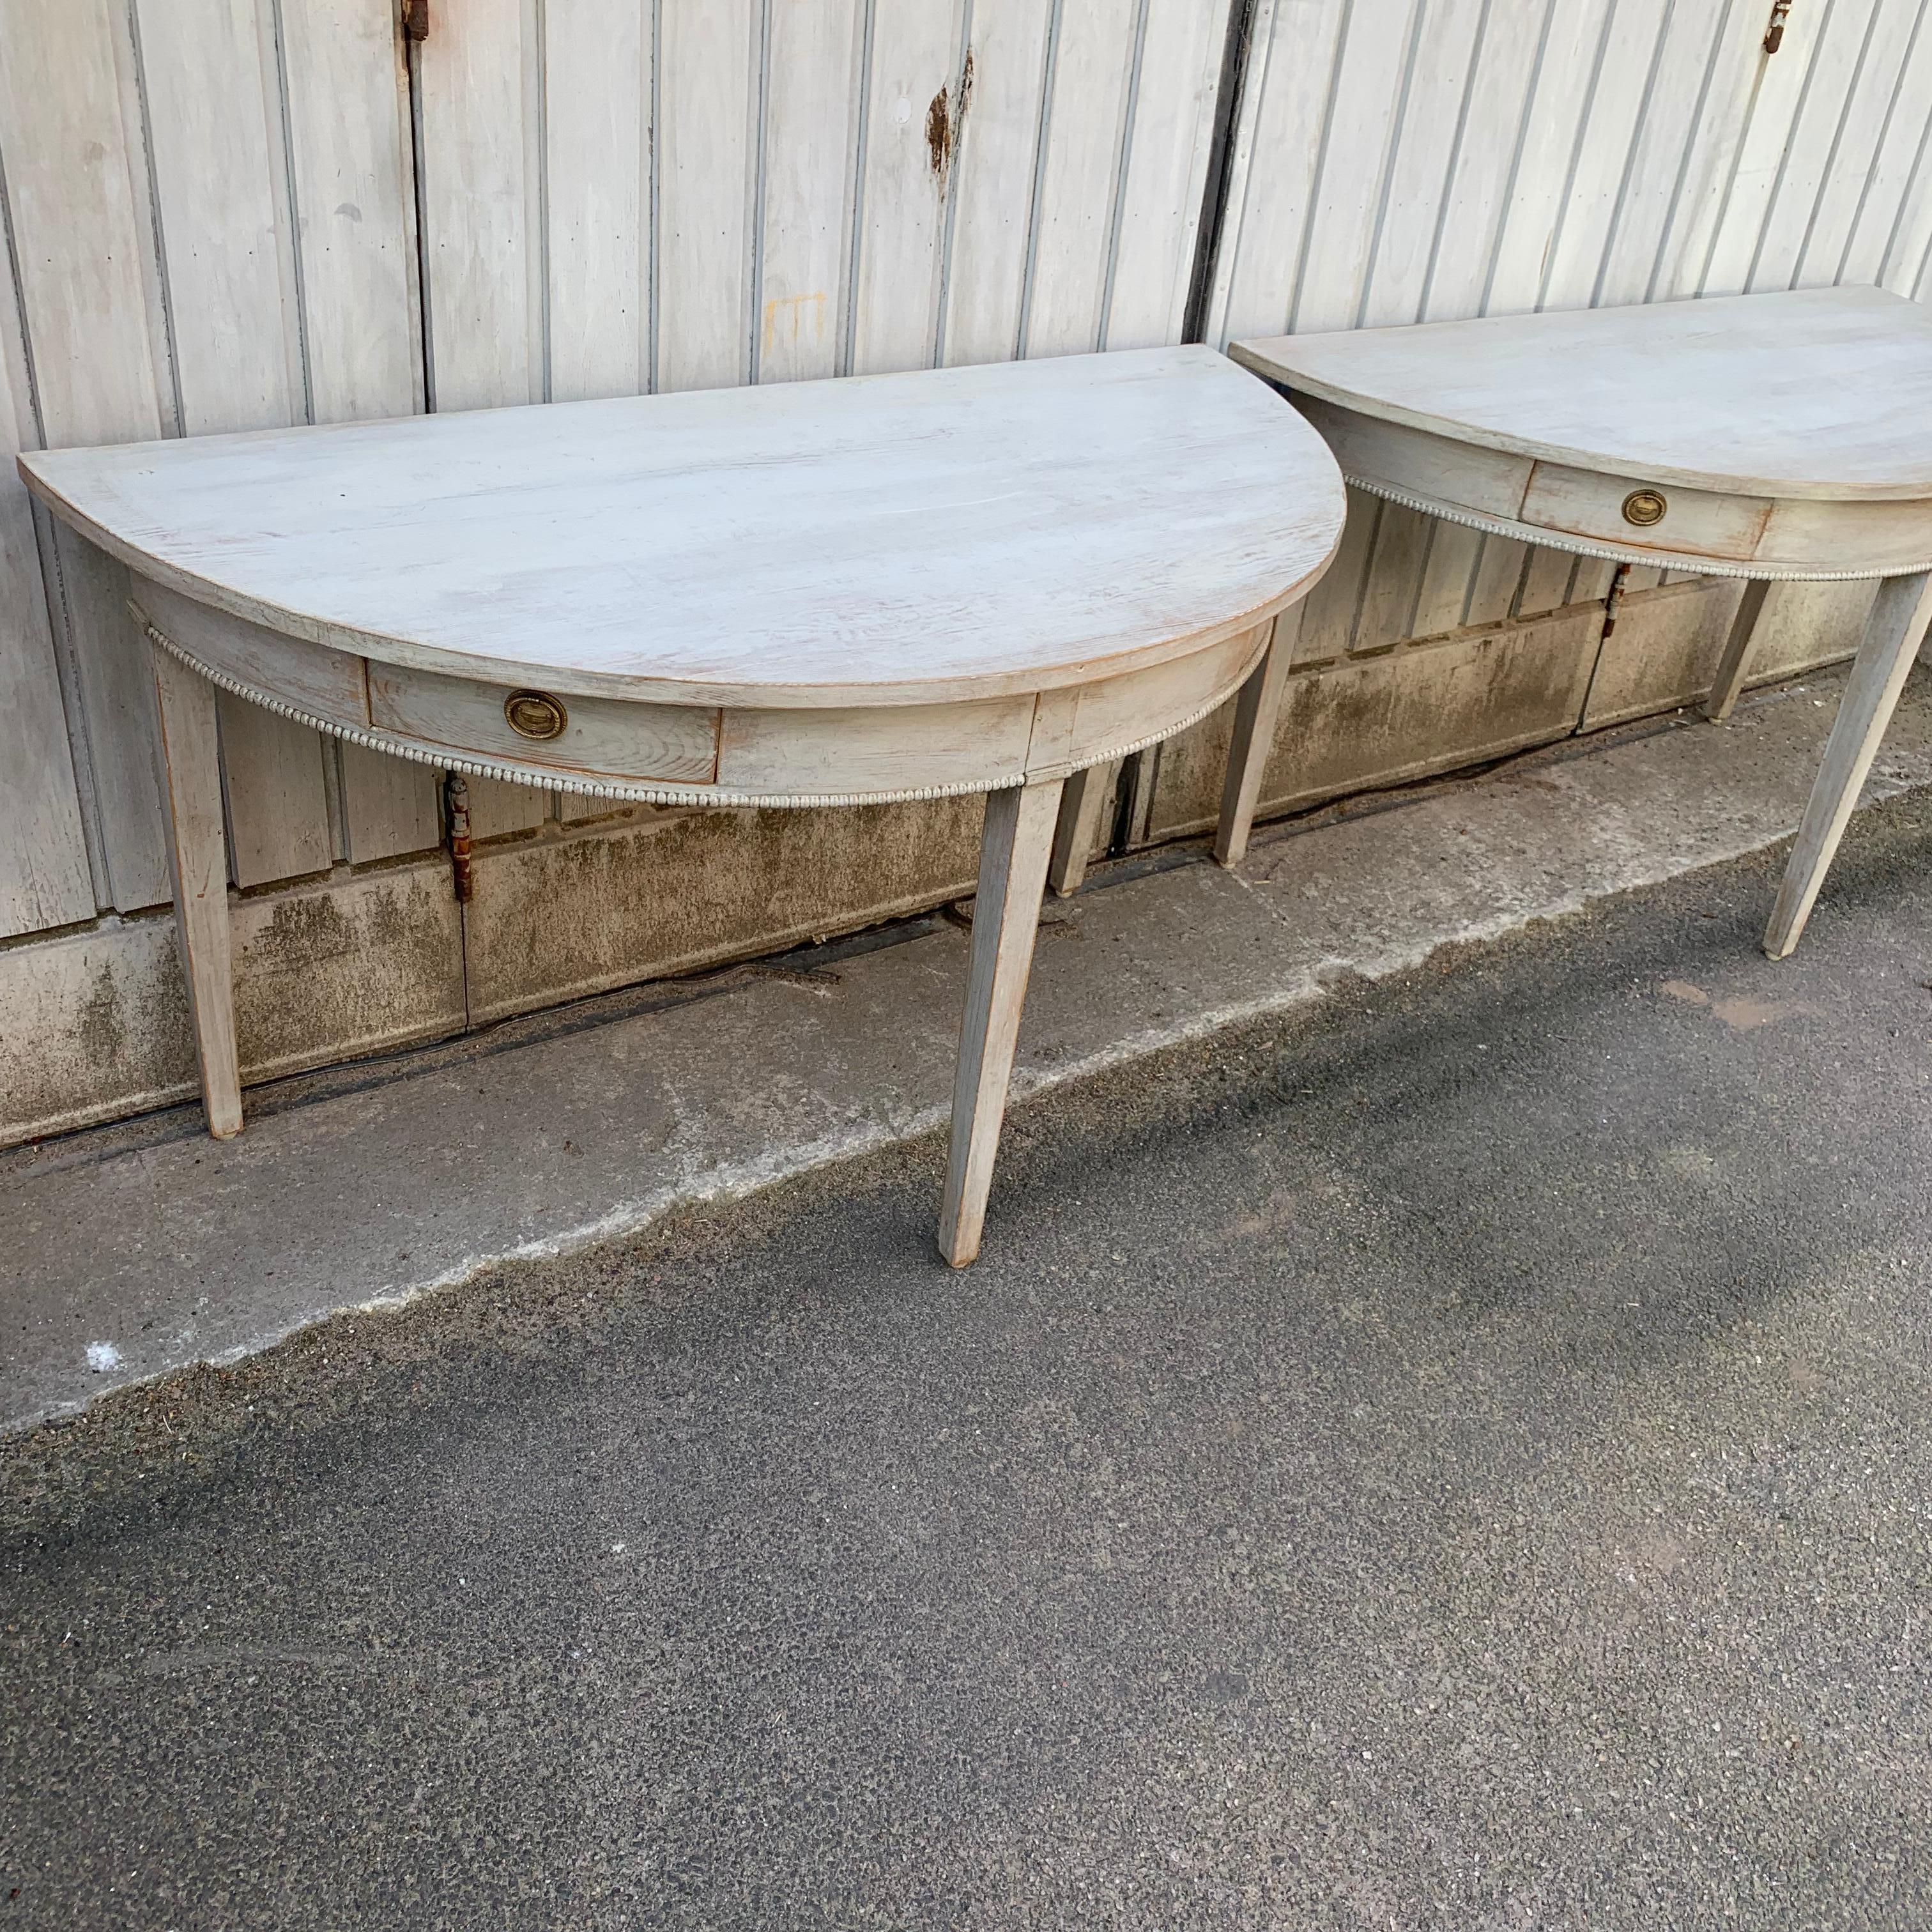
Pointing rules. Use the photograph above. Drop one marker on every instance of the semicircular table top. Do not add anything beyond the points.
(943, 535)
(1820, 393)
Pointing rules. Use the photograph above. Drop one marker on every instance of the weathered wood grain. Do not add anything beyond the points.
(900, 748)
(1660, 185)
(1376, 451)
(1430, 131)
(600, 737)
(350, 178)
(1893, 223)
(1585, 503)
(1366, 106)
(1827, 124)
(1543, 166)
(1278, 151)
(1730, 102)
(960, 533)
(479, 193)
(1820, 393)
(1837, 174)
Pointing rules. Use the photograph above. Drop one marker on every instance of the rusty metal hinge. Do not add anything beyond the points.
(1773, 35)
(456, 816)
(416, 19)
(1613, 602)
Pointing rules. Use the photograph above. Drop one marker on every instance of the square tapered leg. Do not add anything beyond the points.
(1255, 711)
(1723, 695)
(1014, 849)
(1076, 828)
(187, 764)
(1879, 672)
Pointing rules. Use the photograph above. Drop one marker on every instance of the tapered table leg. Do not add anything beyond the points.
(186, 762)
(1255, 711)
(1073, 832)
(1879, 672)
(1013, 853)
(1730, 678)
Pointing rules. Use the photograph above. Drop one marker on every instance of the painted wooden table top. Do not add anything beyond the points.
(945, 535)
(1823, 393)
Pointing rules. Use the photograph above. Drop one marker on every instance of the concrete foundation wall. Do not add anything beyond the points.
(1364, 720)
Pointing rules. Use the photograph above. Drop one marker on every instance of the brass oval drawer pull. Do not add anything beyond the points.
(1644, 508)
(536, 714)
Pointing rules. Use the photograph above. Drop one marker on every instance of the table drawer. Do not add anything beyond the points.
(1637, 515)
(590, 737)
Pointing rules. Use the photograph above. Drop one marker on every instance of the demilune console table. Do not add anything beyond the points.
(981, 579)
(1763, 436)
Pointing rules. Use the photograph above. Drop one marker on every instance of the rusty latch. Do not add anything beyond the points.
(416, 19)
(1773, 35)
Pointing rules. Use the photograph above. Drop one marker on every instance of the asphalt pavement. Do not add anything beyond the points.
(1457, 1455)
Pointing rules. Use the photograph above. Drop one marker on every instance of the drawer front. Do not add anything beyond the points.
(843, 752)
(588, 737)
(1637, 515)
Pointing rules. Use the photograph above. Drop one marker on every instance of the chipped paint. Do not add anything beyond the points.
(945, 123)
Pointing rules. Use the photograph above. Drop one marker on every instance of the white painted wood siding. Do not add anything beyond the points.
(625, 195)
(209, 206)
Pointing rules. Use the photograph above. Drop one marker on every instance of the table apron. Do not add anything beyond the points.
(1715, 533)
(656, 754)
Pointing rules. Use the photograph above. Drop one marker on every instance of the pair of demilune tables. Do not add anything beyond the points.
(980, 580)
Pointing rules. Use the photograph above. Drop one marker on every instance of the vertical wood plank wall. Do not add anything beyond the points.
(223, 214)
